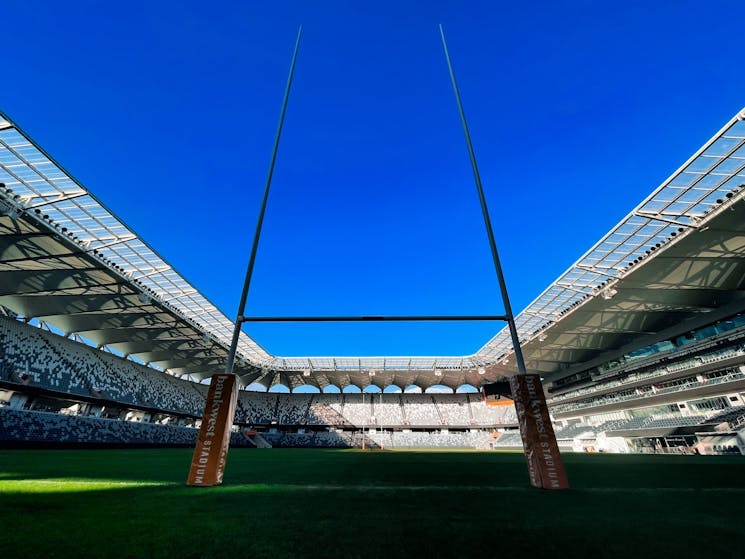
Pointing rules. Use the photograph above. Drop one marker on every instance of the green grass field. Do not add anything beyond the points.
(350, 504)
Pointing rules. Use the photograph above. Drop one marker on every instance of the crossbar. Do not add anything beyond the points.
(434, 318)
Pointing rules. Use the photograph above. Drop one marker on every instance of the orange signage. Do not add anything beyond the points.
(500, 402)
(208, 463)
(545, 465)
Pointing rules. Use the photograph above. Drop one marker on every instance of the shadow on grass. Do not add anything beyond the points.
(327, 503)
(278, 520)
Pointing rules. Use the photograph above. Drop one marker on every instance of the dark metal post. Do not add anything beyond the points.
(487, 221)
(257, 234)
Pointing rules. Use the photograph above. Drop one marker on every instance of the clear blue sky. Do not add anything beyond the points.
(167, 111)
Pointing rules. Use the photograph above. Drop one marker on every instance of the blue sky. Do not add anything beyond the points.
(167, 111)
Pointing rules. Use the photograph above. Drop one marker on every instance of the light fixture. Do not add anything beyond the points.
(438, 373)
(306, 373)
(371, 373)
(608, 293)
(482, 371)
(542, 338)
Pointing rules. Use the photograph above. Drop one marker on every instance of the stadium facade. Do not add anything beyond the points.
(641, 343)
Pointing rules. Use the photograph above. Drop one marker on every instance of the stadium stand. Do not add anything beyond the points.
(40, 365)
(36, 361)
(509, 440)
(379, 439)
(34, 357)
(428, 439)
(49, 375)
(43, 427)
(358, 410)
(682, 385)
(313, 440)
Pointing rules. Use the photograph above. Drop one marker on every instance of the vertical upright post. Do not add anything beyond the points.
(213, 441)
(487, 220)
(545, 466)
(257, 234)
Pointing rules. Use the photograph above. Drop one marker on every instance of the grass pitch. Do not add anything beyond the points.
(352, 504)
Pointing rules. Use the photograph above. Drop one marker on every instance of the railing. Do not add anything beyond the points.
(612, 399)
(663, 371)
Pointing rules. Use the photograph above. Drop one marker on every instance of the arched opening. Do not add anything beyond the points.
(438, 389)
(306, 389)
(256, 387)
(279, 388)
(466, 388)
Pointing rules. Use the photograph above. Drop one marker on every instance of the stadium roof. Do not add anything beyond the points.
(713, 178)
(68, 260)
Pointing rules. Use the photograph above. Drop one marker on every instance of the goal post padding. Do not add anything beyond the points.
(545, 466)
(210, 453)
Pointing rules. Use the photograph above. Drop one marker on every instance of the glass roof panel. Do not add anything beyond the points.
(688, 193)
(722, 146)
(730, 166)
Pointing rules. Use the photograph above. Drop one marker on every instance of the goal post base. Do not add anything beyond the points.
(213, 441)
(545, 466)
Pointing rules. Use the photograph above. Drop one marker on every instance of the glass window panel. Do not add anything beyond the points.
(702, 164)
(684, 179)
(737, 130)
(740, 153)
(722, 146)
(734, 183)
(709, 181)
(679, 207)
(730, 166)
